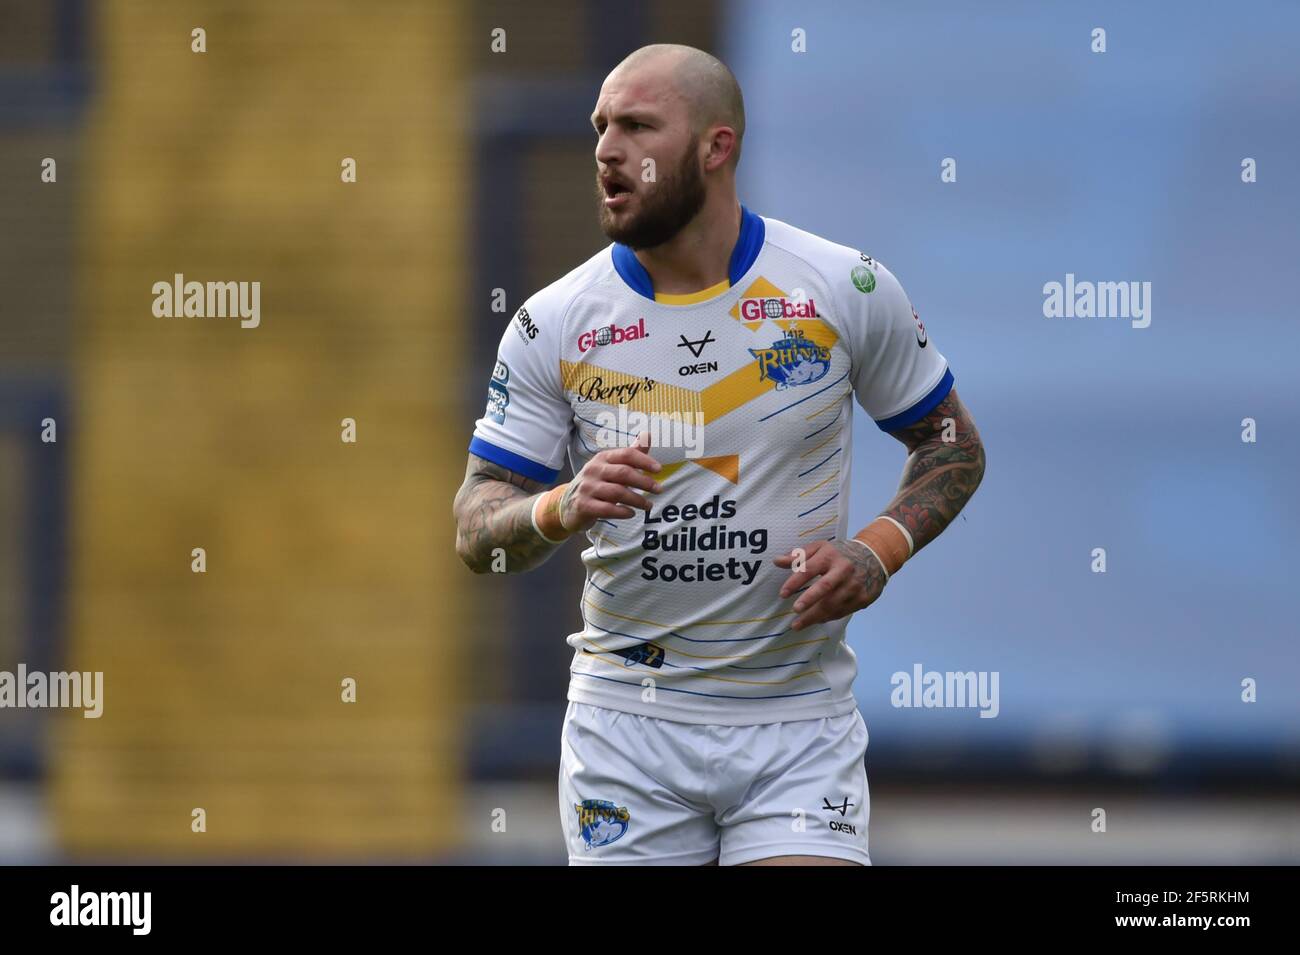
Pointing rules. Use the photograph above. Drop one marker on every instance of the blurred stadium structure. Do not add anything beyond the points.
(329, 561)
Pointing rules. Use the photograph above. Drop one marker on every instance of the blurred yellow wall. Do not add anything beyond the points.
(325, 560)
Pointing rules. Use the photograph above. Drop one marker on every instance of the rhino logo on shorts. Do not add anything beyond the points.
(601, 822)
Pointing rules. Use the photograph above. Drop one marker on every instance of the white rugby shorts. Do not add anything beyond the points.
(637, 790)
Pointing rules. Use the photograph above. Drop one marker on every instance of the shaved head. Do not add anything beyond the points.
(668, 122)
(703, 82)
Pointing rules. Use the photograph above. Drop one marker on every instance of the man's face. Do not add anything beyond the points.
(638, 119)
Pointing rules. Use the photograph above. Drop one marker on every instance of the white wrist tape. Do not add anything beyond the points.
(533, 516)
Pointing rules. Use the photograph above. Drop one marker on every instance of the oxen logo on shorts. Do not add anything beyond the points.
(601, 822)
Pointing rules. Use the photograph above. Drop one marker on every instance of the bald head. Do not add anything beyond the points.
(703, 82)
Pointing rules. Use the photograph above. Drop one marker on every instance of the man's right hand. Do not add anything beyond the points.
(603, 488)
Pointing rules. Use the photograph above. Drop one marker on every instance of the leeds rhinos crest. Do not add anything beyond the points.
(601, 822)
(792, 360)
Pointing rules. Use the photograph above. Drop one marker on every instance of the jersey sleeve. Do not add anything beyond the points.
(525, 426)
(899, 375)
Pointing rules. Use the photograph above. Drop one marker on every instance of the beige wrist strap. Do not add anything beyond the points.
(546, 516)
(889, 541)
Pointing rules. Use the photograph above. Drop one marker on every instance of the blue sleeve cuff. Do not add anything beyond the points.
(514, 462)
(922, 408)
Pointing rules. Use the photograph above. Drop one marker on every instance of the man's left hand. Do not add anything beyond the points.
(848, 578)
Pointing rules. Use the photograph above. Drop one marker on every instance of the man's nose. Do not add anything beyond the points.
(608, 150)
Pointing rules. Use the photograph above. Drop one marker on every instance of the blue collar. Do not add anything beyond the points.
(748, 244)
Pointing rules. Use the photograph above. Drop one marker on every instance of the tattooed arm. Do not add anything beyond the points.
(493, 509)
(939, 477)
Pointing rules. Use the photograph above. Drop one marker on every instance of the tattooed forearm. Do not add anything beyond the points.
(493, 511)
(940, 475)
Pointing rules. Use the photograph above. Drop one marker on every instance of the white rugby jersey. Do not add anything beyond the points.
(748, 390)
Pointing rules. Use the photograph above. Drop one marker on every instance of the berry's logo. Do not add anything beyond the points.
(621, 392)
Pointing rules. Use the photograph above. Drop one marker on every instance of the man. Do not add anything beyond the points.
(711, 717)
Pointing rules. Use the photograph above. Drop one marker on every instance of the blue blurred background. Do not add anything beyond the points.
(1115, 166)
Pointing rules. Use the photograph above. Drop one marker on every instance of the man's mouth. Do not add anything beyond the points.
(615, 193)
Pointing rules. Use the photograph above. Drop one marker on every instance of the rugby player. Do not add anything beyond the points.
(710, 709)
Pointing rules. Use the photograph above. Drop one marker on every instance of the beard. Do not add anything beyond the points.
(666, 208)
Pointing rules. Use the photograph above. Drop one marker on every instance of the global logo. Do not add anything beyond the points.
(601, 822)
(612, 335)
(757, 309)
(793, 360)
(864, 280)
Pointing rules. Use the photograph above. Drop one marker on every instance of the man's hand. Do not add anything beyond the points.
(496, 509)
(945, 465)
(849, 577)
(604, 486)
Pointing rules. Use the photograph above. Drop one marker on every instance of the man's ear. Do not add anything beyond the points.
(722, 143)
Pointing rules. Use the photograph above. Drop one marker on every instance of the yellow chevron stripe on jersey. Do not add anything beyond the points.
(724, 465)
(720, 398)
(659, 398)
(745, 383)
